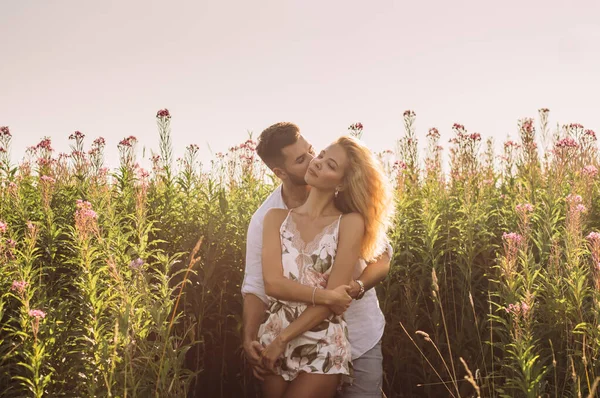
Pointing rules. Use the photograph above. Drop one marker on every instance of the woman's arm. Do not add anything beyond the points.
(282, 288)
(352, 229)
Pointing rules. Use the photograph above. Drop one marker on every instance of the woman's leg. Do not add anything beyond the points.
(310, 385)
(274, 386)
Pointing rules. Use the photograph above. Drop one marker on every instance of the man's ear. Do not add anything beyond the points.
(280, 173)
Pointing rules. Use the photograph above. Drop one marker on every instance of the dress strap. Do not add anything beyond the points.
(337, 227)
(284, 223)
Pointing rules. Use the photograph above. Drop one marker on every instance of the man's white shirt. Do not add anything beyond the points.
(364, 317)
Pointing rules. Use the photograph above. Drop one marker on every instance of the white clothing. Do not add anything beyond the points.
(364, 317)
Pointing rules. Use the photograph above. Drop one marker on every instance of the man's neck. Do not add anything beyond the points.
(294, 195)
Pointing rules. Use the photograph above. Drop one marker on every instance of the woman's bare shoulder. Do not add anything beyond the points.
(275, 216)
(355, 221)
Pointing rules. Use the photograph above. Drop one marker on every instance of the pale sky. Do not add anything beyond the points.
(223, 68)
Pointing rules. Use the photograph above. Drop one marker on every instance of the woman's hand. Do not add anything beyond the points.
(338, 299)
(272, 353)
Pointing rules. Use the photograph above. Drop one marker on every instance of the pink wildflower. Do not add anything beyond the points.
(514, 309)
(517, 309)
(567, 143)
(128, 142)
(409, 113)
(163, 113)
(85, 218)
(574, 198)
(590, 133)
(142, 173)
(19, 286)
(5, 131)
(76, 135)
(136, 264)
(512, 237)
(3, 227)
(593, 237)
(590, 171)
(44, 144)
(47, 179)
(37, 314)
(528, 125)
(524, 208)
(433, 133)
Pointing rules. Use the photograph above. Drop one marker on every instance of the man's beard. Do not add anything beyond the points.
(297, 180)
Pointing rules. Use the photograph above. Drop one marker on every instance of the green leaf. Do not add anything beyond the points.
(304, 350)
(289, 315)
(327, 363)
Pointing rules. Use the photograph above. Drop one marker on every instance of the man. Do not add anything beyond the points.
(287, 153)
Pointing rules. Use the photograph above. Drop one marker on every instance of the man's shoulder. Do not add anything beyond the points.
(273, 201)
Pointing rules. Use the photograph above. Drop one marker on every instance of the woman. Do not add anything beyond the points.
(317, 244)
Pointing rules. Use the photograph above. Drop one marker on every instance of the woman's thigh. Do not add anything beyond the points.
(310, 385)
(274, 386)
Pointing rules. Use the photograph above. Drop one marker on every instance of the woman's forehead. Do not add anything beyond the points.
(336, 152)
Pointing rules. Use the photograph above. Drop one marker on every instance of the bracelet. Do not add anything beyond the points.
(313, 295)
(361, 292)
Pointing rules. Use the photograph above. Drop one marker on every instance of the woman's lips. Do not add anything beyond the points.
(311, 171)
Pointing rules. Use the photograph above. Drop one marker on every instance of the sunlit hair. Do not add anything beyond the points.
(367, 191)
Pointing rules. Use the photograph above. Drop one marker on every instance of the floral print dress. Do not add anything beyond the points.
(325, 348)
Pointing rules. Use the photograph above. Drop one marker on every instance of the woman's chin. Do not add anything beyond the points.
(308, 178)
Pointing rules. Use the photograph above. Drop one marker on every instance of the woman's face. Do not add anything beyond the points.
(326, 171)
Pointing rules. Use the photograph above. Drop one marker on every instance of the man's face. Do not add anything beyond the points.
(297, 157)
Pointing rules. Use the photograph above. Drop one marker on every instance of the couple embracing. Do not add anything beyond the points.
(315, 249)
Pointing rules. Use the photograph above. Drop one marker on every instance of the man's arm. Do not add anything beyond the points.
(352, 228)
(255, 299)
(253, 316)
(278, 286)
(373, 273)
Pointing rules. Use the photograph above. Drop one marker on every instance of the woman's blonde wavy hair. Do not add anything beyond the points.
(367, 191)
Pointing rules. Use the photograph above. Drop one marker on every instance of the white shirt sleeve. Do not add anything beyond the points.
(253, 276)
(389, 249)
(384, 246)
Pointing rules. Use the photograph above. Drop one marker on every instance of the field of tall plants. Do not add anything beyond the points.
(124, 282)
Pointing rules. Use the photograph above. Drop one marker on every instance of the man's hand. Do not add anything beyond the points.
(339, 300)
(272, 353)
(252, 351)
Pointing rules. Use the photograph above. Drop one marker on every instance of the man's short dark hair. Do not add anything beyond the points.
(273, 139)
